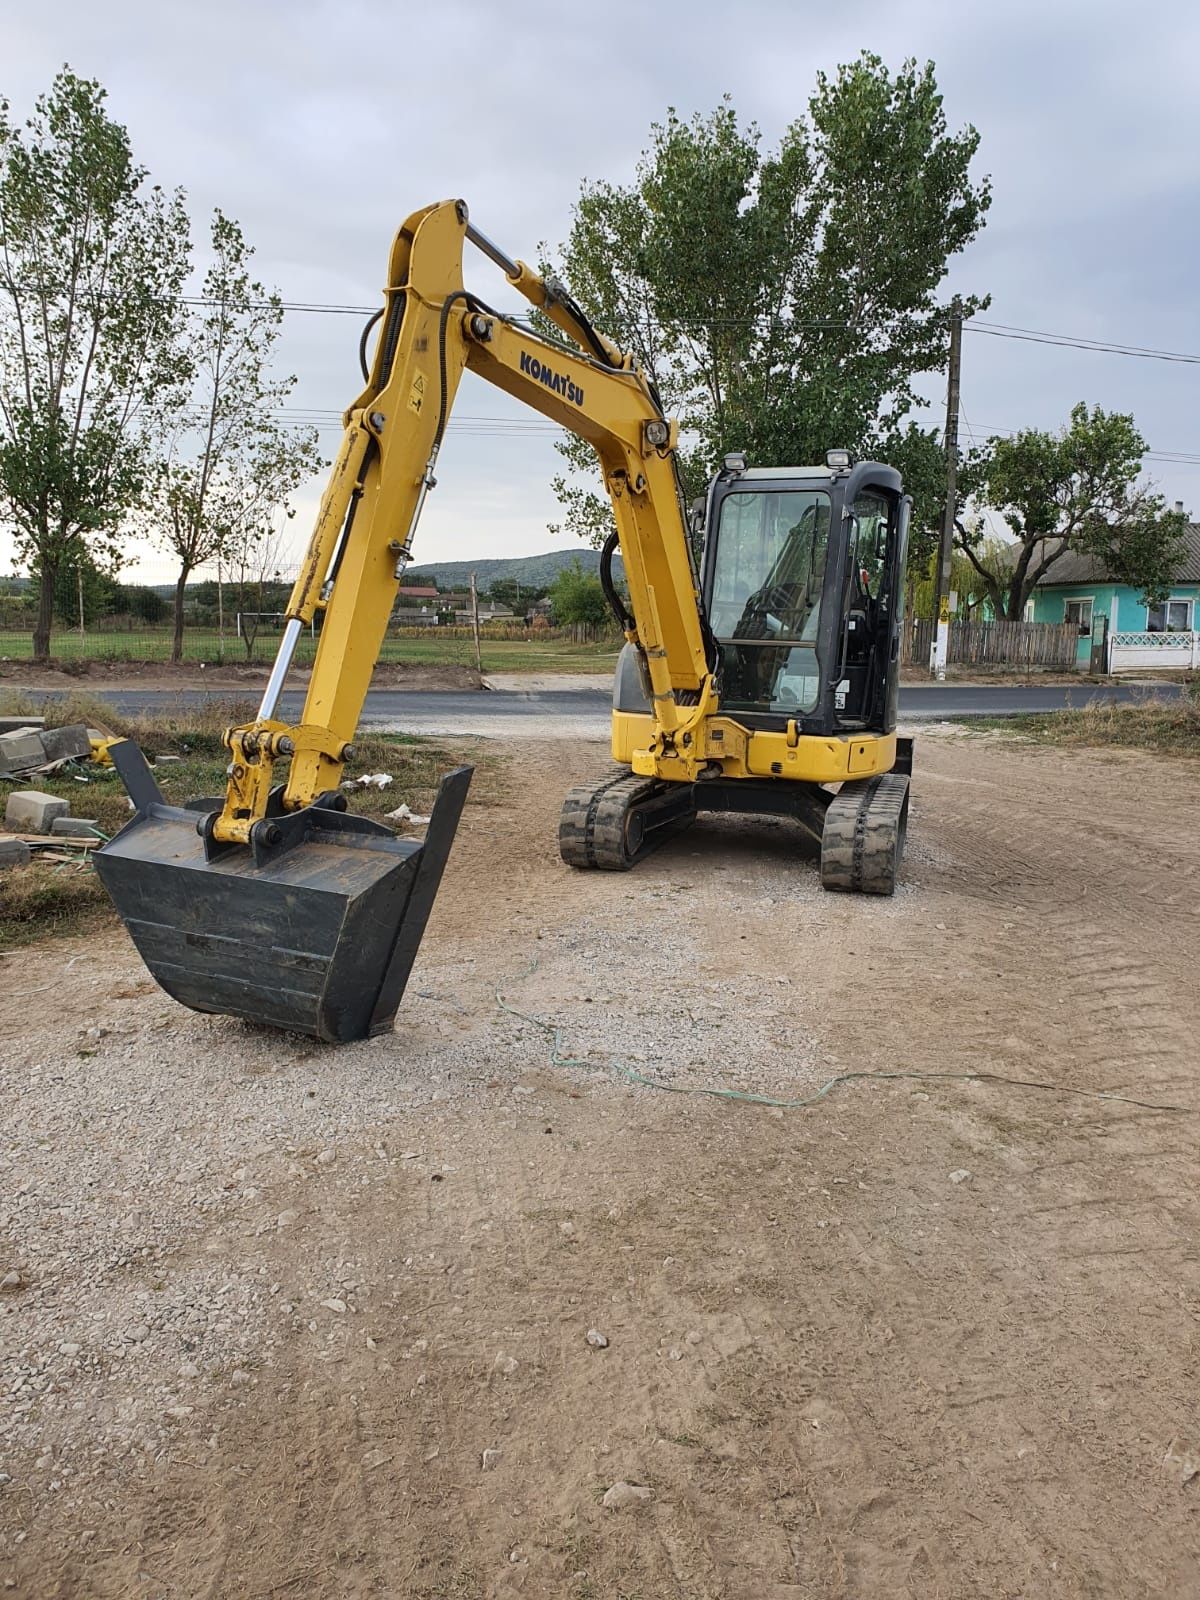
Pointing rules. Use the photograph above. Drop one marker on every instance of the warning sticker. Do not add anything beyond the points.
(416, 395)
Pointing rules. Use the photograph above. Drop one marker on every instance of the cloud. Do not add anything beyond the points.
(321, 125)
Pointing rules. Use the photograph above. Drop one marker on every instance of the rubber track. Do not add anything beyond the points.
(592, 831)
(863, 839)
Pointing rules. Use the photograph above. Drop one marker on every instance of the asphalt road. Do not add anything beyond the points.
(584, 712)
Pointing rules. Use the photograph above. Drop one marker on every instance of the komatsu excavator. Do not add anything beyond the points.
(750, 683)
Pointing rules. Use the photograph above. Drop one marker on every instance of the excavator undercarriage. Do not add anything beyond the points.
(859, 831)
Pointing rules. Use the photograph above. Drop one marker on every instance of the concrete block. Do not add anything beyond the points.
(74, 827)
(21, 750)
(14, 853)
(20, 724)
(30, 811)
(62, 743)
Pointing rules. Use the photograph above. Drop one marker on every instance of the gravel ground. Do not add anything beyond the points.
(279, 1318)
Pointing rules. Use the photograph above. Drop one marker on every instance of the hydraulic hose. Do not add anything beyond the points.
(615, 604)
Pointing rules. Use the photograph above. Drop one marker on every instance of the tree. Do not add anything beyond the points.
(228, 463)
(507, 592)
(783, 302)
(578, 597)
(141, 601)
(92, 263)
(254, 557)
(1076, 490)
(82, 591)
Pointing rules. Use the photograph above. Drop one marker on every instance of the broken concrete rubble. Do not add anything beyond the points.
(30, 811)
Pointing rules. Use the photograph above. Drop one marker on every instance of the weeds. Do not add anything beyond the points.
(55, 898)
(1165, 727)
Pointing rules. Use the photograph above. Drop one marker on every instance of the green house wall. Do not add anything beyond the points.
(1121, 604)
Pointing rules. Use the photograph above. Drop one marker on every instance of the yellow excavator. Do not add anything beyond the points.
(750, 681)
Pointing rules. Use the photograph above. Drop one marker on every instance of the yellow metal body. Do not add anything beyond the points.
(432, 329)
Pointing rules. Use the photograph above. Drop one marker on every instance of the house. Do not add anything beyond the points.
(416, 594)
(489, 611)
(1077, 589)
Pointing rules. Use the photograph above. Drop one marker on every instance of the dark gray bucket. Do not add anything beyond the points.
(317, 936)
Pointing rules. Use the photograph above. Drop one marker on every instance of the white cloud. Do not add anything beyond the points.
(320, 126)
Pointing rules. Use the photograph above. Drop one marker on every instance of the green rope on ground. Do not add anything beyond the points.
(622, 1070)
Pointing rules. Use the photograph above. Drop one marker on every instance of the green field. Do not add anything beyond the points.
(435, 647)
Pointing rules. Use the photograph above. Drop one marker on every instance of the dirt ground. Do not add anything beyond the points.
(301, 1322)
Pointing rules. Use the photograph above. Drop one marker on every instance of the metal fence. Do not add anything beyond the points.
(996, 644)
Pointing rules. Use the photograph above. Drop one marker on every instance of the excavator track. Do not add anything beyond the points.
(608, 825)
(863, 838)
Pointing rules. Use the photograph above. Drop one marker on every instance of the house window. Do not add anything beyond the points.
(1172, 616)
(1080, 613)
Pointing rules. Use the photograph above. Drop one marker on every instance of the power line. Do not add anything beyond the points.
(1001, 330)
(997, 330)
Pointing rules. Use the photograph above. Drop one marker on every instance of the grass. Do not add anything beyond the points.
(51, 898)
(1165, 727)
(416, 649)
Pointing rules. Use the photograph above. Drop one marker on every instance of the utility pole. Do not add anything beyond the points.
(941, 610)
(79, 577)
(475, 625)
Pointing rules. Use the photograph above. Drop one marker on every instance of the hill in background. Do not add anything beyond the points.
(536, 571)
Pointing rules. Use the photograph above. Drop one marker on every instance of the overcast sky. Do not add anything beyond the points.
(320, 126)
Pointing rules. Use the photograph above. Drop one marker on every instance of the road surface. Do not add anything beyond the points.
(584, 713)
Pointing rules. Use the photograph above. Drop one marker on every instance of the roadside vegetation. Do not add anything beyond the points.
(426, 647)
(62, 897)
(1163, 727)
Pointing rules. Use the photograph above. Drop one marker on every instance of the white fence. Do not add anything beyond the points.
(1133, 652)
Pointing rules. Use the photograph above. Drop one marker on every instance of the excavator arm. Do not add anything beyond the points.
(432, 329)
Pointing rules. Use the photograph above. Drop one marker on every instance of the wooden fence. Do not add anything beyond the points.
(997, 644)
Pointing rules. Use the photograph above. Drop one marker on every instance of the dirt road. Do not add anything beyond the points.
(296, 1322)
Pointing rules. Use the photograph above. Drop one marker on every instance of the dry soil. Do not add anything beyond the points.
(292, 1321)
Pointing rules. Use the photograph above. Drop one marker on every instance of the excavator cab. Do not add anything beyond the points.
(802, 580)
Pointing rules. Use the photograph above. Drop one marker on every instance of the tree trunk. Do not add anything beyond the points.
(177, 640)
(45, 613)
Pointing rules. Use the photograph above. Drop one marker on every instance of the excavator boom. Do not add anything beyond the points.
(271, 903)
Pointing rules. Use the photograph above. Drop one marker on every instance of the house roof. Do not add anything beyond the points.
(418, 591)
(1075, 567)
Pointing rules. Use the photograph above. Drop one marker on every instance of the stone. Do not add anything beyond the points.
(596, 1339)
(75, 827)
(325, 1158)
(189, 1369)
(239, 1377)
(623, 1495)
(21, 750)
(11, 1281)
(286, 1218)
(137, 1333)
(505, 1365)
(67, 1348)
(334, 1305)
(490, 1460)
(14, 853)
(62, 744)
(30, 811)
(960, 1175)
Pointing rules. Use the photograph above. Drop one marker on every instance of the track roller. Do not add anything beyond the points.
(863, 838)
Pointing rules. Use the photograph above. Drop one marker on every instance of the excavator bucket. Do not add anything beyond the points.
(317, 935)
